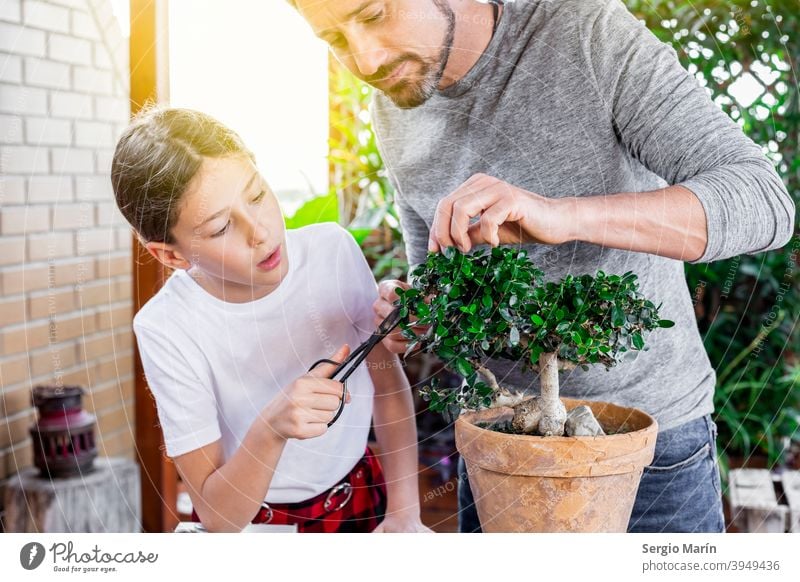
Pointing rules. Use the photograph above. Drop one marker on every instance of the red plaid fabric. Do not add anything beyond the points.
(356, 504)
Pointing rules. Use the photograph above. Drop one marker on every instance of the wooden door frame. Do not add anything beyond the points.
(149, 82)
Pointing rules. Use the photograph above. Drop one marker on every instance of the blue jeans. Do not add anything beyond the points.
(679, 492)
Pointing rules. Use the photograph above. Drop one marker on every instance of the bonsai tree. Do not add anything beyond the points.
(495, 305)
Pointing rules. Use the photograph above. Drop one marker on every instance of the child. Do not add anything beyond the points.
(227, 342)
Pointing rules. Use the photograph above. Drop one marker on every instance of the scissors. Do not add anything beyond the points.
(357, 356)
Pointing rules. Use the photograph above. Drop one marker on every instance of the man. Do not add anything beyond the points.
(566, 126)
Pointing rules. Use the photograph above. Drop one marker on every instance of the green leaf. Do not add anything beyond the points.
(535, 353)
(316, 210)
(463, 367)
(537, 321)
(665, 323)
(360, 234)
(617, 316)
(638, 341)
(446, 353)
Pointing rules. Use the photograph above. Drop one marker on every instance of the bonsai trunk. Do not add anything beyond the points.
(502, 396)
(548, 378)
(545, 414)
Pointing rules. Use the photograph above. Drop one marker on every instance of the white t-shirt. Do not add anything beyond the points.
(214, 365)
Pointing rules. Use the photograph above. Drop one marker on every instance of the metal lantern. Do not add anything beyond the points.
(63, 439)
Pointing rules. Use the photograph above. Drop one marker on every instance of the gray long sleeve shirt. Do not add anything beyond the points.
(578, 98)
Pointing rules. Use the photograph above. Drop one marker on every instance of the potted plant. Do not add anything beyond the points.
(538, 463)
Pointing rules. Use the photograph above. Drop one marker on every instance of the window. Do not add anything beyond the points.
(257, 67)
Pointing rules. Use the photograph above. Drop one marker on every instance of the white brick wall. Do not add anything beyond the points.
(72, 161)
(93, 80)
(48, 131)
(46, 16)
(63, 100)
(23, 160)
(76, 4)
(110, 108)
(70, 105)
(11, 10)
(58, 188)
(83, 26)
(24, 219)
(22, 40)
(61, 47)
(102, 60)
(93, 188)
(93, 133)
(22, 99)
(10, 129)
(12, 190)
(10, 69)
(45, 73)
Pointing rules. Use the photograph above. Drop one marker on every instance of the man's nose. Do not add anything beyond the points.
(369, 56)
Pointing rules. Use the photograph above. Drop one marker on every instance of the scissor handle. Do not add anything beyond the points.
(358, 355)
(318, 363)
(344, 386)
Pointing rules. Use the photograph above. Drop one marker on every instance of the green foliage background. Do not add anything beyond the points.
(747, 307)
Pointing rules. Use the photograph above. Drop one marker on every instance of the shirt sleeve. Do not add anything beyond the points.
(669, 123)
(362, 290)
(416, 231)
(415, 235)
(187, 407)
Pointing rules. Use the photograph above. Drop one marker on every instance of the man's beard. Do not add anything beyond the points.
(405, 93)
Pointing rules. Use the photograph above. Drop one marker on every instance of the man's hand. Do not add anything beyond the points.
(505, 215)
(383, 306)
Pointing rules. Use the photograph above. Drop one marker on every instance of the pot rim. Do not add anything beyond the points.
(466, 417)
(557, 456)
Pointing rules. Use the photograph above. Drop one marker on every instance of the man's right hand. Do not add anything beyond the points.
(305, 407)
(387, 295)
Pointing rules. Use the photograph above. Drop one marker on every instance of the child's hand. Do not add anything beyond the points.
(305, 407)
(383, 306)
(401, 522)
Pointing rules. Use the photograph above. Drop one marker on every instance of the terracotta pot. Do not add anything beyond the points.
(527, 483)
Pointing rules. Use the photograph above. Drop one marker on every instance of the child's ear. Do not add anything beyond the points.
(167, 255)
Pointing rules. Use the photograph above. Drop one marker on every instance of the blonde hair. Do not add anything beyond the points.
(156, 158)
